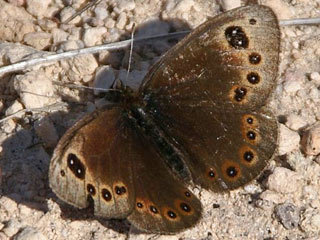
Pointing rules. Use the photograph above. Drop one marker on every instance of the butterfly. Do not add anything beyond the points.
(197, 119)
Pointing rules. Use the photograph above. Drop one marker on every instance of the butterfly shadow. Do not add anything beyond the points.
(25, 158)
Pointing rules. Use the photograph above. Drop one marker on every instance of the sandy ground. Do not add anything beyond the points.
(284, 203)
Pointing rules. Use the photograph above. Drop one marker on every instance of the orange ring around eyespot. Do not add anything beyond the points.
(211, 174)
(242, 151)
(254, 123)
(178, 203)
(230, 164)
(166, 211)
(232, 95)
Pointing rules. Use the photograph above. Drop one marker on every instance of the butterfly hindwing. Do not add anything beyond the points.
(106, 159)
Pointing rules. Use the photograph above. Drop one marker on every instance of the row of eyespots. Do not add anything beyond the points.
(230, 170)
(105, 193)
(247, 155)
(237, 38)
(171, 214)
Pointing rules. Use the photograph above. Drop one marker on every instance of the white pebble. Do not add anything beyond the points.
(288, 140)
(38, 40)
(35, 89)
(315, 76)
(59, 35)
(230, 4)
(311, 140)
(38, 8)
(101, 12)
(283, 180)
(14, 108)
(93, 36)
(295, 122)
(125, 5)
(121, 21)
(66, 13)
(310, 220)
(30, 233)
(11, 227)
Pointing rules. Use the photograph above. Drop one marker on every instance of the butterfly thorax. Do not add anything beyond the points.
(137, 113)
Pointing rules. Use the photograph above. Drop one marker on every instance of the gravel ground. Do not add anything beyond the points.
(284, 203)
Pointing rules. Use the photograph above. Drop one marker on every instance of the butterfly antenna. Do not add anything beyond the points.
(131, 50)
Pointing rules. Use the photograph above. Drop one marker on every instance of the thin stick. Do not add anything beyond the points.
(300, 21)
(76, 86)
(55, 106)
(131, 50)
(52, 57)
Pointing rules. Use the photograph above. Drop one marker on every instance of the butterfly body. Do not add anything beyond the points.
(198, 118)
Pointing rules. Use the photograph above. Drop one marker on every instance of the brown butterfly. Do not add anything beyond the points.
(198, 118)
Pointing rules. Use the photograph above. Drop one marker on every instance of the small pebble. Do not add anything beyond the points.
(93, 36)
(38, 40)
(230, 4)
(310, 220)
(30, 233)
(15, 107)
(288, 214)
(38, 8)
(295, 122)
(121, 21)
(283, 180)
(288, 140)
(315, 76)
(310, 142)
(11, 227)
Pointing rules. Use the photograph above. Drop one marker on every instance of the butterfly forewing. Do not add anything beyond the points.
(204, 91)
(88, 164)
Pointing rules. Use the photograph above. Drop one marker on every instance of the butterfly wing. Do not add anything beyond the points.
(105, 159)
(88, 162)
(208, 91)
